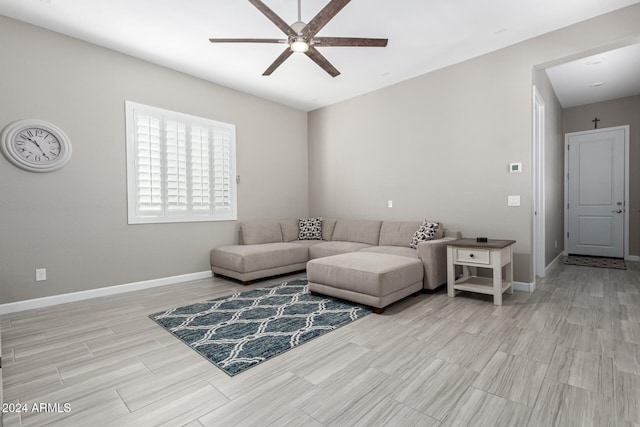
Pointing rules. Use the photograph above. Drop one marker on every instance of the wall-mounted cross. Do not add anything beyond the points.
(595, 122)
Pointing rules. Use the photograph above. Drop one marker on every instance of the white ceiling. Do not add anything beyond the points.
(609, 75)
(424, 35)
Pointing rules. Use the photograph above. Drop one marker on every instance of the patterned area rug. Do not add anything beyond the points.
(245, 329)
(594, 261)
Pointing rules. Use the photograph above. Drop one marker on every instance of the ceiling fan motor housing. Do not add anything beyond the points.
(298, 26)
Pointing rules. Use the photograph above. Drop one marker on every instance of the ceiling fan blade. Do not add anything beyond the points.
(248, 40)
(349, 41)
(279, 60)
(319, 59)
(324, 16)
(279, 22)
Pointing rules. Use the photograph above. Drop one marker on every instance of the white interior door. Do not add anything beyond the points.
(596, 187)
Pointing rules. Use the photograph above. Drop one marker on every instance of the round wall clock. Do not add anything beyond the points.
(35, 145)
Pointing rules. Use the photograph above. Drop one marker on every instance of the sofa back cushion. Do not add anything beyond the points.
(398, 233)
(357, 230)
(289, 229)
(328, 226)
(256, 232)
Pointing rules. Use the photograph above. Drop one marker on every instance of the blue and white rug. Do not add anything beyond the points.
(247, 328)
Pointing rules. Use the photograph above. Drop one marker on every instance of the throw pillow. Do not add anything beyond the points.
(426, 231)
(310, 228)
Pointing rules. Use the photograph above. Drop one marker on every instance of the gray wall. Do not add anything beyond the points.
(618, 112)
(553, 169)
(74, 221)
(439, 145)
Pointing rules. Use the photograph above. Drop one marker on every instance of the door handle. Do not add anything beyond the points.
(617, 211)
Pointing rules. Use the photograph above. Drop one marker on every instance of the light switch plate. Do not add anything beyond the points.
(513, 200)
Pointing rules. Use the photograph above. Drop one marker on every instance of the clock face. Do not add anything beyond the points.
(35, 145)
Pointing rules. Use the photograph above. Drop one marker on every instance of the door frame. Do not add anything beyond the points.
(539, 235)
(625, 128)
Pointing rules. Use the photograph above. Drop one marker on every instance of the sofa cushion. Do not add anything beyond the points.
(289, 228)
(398, 233)
(307, 243)
(248, 258)
(258, 232)
(328, 226)
(357, 230)
(334, 248)
(392, 250)
(427, 231)
(310, 228)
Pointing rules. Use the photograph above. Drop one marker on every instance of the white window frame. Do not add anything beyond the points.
(184, 210)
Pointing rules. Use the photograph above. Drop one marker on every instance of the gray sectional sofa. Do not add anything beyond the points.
(271, 247)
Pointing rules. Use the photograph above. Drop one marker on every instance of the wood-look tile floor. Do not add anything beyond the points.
(567, 354)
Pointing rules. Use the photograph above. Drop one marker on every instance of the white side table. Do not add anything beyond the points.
(493, 254)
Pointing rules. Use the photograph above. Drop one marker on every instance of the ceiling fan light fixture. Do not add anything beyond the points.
(299, 45)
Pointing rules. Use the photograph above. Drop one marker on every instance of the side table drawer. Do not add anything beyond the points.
(475, 256)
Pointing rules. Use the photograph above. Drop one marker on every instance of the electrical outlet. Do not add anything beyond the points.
(389, 203)
(41, 274)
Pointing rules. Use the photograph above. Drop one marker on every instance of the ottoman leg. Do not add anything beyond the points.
(378, 310)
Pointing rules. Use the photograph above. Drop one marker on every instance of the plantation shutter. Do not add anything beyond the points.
(200, 170)
(184, 167)
(148, 165)
(222, 171)
(176, 167)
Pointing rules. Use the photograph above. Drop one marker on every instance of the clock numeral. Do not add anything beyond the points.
(38, 158)
(39, 132)
(19, 142)
(30, 133)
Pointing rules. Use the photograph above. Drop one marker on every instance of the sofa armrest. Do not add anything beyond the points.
(433, 254)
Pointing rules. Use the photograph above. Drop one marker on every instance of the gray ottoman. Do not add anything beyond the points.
(373, 279)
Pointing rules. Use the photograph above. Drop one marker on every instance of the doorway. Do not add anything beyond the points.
(597, 192)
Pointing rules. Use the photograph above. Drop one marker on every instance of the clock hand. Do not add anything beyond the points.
(39, 147)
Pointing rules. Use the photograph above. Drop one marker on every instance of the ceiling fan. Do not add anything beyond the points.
(301, 37)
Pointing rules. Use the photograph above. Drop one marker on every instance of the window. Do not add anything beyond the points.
(180, 168)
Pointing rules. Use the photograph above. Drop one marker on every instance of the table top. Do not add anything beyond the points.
(490, 244)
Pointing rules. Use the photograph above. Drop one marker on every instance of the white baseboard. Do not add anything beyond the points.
(557, 259)
(523, 286)
(13, 307)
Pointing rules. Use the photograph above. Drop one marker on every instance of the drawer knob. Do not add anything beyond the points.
(471, 255)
